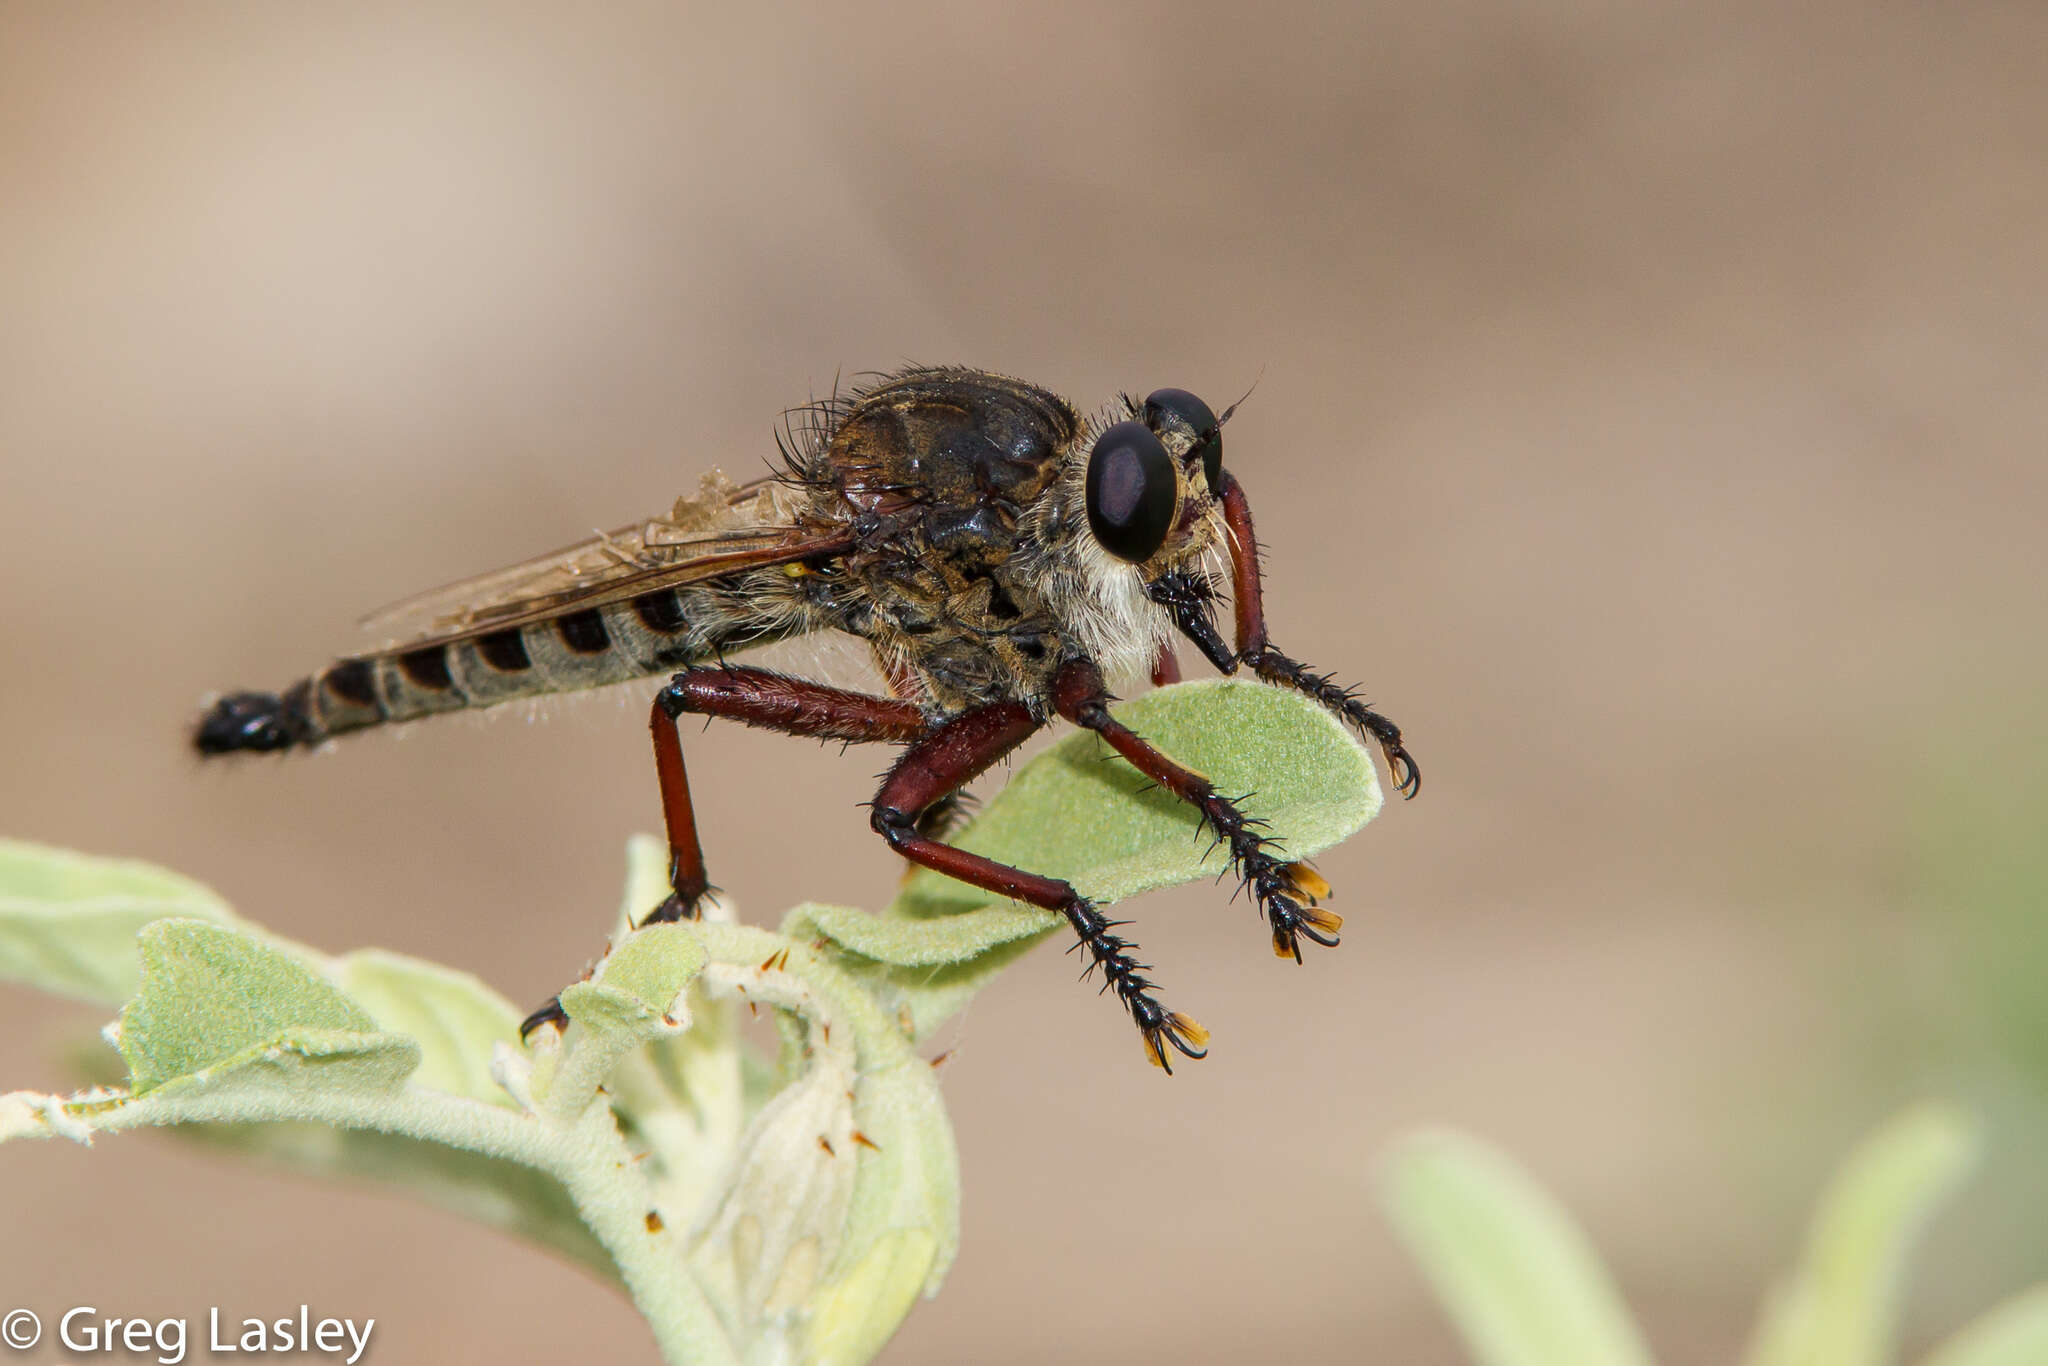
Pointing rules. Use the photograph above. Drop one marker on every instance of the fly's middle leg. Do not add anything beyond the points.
(956, 753)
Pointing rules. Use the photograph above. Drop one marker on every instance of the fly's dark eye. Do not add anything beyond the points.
(1131, 491)
(1181, 407)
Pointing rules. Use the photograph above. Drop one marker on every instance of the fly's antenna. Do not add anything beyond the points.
(1247, 394)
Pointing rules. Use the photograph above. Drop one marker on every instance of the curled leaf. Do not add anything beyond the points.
(209, 992)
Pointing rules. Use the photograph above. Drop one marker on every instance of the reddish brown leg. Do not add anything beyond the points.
(772, 701)
(1284, 892)
(956, 753)
(1165, 666)
(755, 697)
(686, 877)
(1254, 649)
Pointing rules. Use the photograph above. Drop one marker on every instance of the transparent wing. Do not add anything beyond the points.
(725, 528)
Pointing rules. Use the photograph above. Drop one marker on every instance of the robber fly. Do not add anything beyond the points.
(1000, 555)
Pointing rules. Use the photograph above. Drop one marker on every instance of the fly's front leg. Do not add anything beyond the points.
(756, 697)
(1257, 652)
(956, 753)
(1286, 893)
(1269, 664)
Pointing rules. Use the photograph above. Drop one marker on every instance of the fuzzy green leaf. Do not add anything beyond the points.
(923, 942)
(2013, 1334)
(1081, 813)
(210, 992)
(289, 1066)
(1839, 1307)
(654, 966)
(455, 1019)
(1514, 1272)
(639, 996)
(68, 922)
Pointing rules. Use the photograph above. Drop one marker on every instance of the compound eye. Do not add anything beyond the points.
(1131, 491)
(1178, 405)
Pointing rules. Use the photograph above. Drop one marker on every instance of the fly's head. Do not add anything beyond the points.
(1152, 479)
(1136, 512)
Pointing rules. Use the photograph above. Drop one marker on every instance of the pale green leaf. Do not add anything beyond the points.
(1511, 1268)
(1839, 1307)
(1081, 813)
(68, 921)
(277, 1074)
(654, 965)
(455, 1019)
(922, 942)
(296, 1073)
(639, 992)
(2013, 1334)
(209, 992)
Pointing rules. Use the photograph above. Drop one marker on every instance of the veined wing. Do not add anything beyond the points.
(723, 530)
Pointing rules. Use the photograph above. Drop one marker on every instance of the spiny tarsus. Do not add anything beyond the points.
(1333, 696)
(1158, 1027)
(1285, 892)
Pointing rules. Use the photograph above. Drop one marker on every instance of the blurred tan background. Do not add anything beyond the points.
(1651, 416)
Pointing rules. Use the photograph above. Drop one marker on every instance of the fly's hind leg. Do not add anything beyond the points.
(956, 753)
(1286, 893)
(755, 697)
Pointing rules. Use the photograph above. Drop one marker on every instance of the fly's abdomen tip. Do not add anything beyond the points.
(257, 721)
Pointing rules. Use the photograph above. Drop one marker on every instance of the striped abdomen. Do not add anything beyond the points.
(658, 632)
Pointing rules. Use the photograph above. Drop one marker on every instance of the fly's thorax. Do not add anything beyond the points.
(935, 471)
(957, 451)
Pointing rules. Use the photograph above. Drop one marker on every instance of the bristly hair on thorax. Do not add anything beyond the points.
(973, 574)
